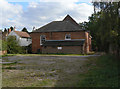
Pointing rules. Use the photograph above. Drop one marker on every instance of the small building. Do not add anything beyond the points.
(64, 36)
(23, 37)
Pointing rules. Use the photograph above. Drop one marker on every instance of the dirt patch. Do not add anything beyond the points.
(43, 71)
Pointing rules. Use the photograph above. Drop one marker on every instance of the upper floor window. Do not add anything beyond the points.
(42, 39)
(67, 37)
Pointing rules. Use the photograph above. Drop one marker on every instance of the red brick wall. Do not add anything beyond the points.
(90, 43)
(65, 49)
(87, 42)
(57, 36)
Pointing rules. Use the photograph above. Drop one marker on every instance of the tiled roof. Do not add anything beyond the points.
(22, 34)
(68, 24)
(64, 42)
(69, 18)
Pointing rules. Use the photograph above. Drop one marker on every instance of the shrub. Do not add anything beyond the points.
(13, 46)
(3, 45)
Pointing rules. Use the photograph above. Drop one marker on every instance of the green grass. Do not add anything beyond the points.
(14, 63)
(44, 55)
(57, 54)
(102, 72)
(99, 71)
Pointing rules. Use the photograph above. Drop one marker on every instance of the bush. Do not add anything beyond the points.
(13, 46)
(3, 45)
(0, 45)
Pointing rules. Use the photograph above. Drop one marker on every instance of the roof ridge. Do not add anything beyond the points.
(22, 34)
(69, 18)
(68, 24)
(20, 31)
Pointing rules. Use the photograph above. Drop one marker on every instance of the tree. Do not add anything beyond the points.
(13, 46)
(83, 25)
(5, 30)
(11, 28)
(24, 29)
(104, 26)
(4, 45)
(0, 44)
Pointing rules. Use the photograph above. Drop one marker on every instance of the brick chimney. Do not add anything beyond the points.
(9, 30)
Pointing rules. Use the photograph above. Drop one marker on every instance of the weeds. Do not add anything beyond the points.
(103, 72)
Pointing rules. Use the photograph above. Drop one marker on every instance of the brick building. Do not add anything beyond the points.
(64, 36)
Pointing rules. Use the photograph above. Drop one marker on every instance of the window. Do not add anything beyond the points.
(42, 39)
(67, 37)
(60, 48)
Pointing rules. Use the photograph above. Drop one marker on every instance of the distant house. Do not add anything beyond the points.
(64, 36)
(23, 37)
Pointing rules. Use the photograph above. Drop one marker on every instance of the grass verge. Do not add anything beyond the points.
(44, 55)
(102, 72)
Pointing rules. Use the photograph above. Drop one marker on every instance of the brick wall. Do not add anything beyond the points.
(58, 36)
(65, 49)
(86, 42)
(90, 46)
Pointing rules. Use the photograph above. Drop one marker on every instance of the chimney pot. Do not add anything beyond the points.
(9, 30)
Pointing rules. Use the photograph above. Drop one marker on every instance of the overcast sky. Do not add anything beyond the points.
(28, 13)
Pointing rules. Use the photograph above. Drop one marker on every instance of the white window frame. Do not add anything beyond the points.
(67, 38)
(41, 39)
(59, 48)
